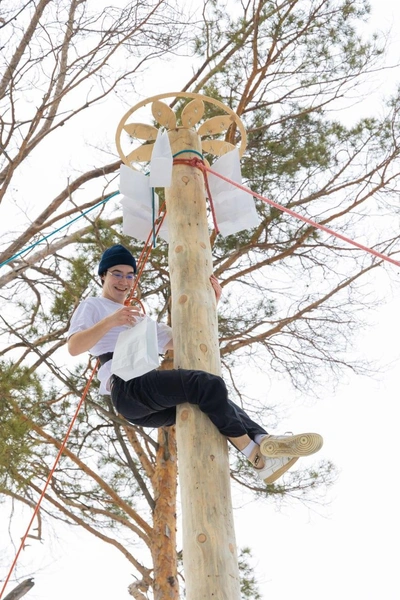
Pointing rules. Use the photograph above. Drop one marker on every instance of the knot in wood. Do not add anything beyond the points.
(179, 249)
(202, 538)
(183, 299)
(203, 348)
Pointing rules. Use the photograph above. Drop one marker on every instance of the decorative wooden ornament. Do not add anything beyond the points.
(141, 131)
(191, 115)
(163, 114)
(215, 125)
(216, 147)
(141, 154)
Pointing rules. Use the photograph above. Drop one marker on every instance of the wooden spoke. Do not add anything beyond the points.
(217, 147)
(163, 114)
(141, 154)
(141, 131)
(192, 113)
(190, 118)
(215, 125)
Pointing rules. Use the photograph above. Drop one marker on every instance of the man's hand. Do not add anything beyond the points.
(82, 341)
(216, 287)
(127, 315)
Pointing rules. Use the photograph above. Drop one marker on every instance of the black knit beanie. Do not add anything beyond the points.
(116, 255)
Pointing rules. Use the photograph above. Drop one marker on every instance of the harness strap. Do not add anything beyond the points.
(103, 358)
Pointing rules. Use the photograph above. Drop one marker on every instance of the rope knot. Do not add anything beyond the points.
(190, 162)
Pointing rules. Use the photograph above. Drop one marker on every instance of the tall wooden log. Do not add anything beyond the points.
(209, 547)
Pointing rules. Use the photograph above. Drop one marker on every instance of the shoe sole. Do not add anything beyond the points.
(276, 474)
(303, 444)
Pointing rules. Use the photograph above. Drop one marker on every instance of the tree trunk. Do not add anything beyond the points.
(164, 551)
(209, 547)
(21, 589)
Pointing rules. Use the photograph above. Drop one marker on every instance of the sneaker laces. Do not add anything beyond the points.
(256, 458)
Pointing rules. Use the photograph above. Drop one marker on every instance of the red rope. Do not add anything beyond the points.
(61, 450)
(142, 260)
(214, 216)
(199, 164)
(194, 162)
(305, 219)
(141, 265)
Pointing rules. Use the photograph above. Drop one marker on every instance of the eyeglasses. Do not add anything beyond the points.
(121, 276)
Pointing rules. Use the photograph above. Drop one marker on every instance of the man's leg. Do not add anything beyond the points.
(151, 400)
(159, 391)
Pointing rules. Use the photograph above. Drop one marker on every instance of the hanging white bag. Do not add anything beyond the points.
(161, 162)
(235, 209)
(136, 351)
(138, 211)
(137, 205)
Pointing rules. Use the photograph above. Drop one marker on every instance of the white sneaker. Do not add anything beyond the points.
(275, 467)
(272, 468)
(289, 446)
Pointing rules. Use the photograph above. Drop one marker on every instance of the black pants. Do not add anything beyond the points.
(151, 400)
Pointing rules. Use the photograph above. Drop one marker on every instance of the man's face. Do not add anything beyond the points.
(118, 282)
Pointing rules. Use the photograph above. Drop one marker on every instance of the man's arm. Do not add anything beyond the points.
(216, 287)
(82, 341)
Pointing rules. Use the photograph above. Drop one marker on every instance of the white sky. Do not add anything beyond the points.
(345, 550)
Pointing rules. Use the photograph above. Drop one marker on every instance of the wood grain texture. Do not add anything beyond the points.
(209, 547)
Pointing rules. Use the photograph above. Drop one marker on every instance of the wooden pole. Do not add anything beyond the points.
(209, 547)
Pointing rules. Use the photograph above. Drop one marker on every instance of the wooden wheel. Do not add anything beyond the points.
(210, 130)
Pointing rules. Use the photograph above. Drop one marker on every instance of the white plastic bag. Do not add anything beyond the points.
(136, 351)
(161, 162)
(234, 208)
(137, 205)
(164, 335)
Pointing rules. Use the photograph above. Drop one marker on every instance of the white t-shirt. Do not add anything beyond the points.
(91, 311)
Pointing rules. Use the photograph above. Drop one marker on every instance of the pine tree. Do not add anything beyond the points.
(293, 297)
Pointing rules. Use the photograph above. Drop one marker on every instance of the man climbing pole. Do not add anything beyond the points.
(151, 399)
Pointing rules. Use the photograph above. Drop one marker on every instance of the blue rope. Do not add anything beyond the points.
(57, 230)
(191, 151)
(153, 215)
(88, 211)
